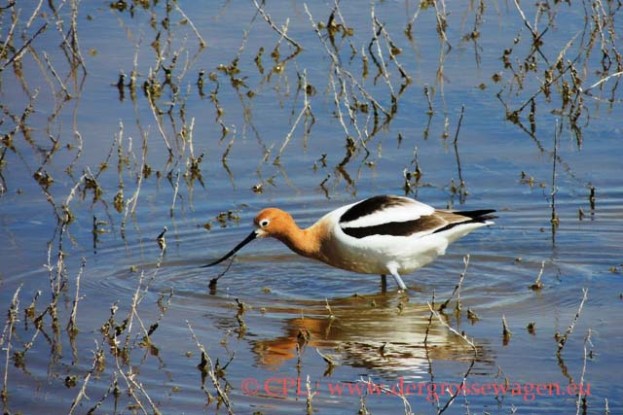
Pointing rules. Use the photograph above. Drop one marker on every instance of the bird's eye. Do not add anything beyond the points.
(264, 223)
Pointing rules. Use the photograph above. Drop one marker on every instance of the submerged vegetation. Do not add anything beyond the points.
(189, 103)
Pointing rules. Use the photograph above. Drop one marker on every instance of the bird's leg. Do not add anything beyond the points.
(383, 283)
(399, 280)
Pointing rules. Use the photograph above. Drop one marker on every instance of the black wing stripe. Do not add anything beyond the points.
(429, 224)
(369, 206)
(423, 224)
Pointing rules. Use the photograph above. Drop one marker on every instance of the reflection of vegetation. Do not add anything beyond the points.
(557, 78)
(367, 79)
(328, 72)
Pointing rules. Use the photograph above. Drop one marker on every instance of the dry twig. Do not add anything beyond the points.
(210, 372)
(471, 344)
(282, 32)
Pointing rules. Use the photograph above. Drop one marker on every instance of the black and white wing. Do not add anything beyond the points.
(401, 216)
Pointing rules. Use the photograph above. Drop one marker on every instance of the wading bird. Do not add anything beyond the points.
(380, 235)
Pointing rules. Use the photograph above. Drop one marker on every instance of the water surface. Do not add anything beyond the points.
(92, 175)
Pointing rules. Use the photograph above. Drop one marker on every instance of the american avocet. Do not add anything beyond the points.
(380, 235)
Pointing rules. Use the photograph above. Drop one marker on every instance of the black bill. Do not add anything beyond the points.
(237, 248)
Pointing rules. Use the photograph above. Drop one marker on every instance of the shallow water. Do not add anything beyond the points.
(274, 315)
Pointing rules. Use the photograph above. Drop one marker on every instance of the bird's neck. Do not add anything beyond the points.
(306, 242)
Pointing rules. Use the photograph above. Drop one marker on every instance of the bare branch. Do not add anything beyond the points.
(282, 32)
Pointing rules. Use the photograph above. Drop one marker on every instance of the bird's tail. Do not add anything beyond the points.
(481, 216)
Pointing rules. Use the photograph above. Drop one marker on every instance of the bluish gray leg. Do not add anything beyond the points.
(399, 280)
(383, 283)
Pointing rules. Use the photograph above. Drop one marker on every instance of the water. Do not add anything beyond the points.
(273, 315)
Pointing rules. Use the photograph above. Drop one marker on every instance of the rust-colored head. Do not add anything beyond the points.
(273, 222)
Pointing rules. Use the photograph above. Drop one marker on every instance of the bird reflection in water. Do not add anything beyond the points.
(372, 332)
